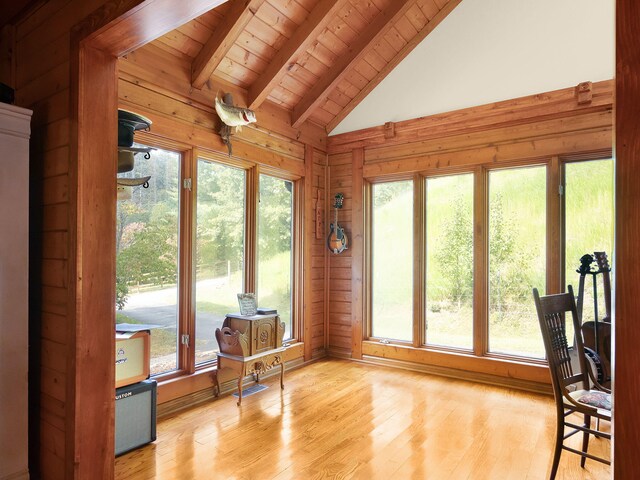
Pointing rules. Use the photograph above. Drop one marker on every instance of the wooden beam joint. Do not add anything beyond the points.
(389, 130)
(584, 93)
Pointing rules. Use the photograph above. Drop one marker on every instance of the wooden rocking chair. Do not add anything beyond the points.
(571, 390)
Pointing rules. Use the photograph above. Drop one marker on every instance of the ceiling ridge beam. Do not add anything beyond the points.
(375, 81)
(222, 39)
(356, 52)
(287, 56)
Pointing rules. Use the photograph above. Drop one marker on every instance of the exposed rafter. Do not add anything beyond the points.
(222, 39)
(375, 31)
(288, 54)
(422, 34)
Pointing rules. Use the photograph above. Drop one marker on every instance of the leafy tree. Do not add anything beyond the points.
(455, 254)
(508, 266)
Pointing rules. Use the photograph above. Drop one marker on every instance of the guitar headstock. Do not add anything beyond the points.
(603, 261)
(338, 200)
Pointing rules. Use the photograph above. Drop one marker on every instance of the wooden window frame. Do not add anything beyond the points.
(554, 250)
(190, 155)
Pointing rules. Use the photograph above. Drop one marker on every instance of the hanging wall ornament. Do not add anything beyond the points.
(231, 117)
(128, 124)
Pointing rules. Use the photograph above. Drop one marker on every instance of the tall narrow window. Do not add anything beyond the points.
(219, 254)
(275, 248)
(449, 288)
(517, 229)
(589, 216)
(392, 260)
(147, 255)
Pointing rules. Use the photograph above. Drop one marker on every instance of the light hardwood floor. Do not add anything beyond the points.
(341, 419)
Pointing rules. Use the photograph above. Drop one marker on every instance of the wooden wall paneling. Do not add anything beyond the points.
(357, 253)
(152, 68)
(181, 42)
(355, 53)
(480, 262)
(626, 264)
(554, 240)
(496, 136)
(419, 260)
(393, 62)
(309, 219)
(39, 59)
(148, 99)
(340, 297)
(171, 129)
(319, 256)
(7, 55)
(92, 271)
(538, 374)
(594, 139)
(532, 108)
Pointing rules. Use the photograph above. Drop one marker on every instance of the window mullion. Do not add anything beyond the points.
(251, 228)
(419, 264)
(481, 263)
(186, 318)
(555, 247)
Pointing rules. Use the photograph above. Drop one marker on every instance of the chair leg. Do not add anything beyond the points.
(585, 439)
(558, 448)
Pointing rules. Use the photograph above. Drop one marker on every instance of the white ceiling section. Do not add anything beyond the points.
(491, 50)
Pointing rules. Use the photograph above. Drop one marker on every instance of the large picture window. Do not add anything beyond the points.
(275, 247)
(588, 225)
(392, 260)
(206, 229)
(147, 253)
(469, 247)
(517, 259)
(449, 287)
(219, 250)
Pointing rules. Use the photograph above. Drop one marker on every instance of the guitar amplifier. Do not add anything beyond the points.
(135, 415)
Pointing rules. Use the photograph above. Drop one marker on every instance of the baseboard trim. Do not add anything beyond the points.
(474, 377)
(339, 352)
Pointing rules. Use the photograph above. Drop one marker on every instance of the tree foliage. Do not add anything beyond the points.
(455, 253)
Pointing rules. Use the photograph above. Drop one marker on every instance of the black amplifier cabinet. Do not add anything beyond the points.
(135, 415)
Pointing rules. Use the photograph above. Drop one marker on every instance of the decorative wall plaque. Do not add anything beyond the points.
(247, 302)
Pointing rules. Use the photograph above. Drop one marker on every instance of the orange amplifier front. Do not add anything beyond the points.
(132, 357)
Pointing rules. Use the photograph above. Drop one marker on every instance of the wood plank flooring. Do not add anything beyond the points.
(347, 420)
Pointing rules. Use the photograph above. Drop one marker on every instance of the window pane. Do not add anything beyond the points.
(517, 226)
(392, 260)
(275, 248)
(449, 286)
(219, 250)
(589, 218)
(147, 255)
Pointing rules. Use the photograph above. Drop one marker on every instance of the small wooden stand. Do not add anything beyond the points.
(250, 346)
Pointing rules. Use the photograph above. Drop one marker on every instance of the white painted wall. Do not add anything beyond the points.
(492, 50)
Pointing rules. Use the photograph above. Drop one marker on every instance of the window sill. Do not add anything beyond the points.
(511, 368)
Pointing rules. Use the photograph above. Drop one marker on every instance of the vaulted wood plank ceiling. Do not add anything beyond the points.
(316, 58)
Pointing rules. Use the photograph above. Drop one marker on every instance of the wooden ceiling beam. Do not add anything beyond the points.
(287, 56)
(422, 34)
(222, 39)
(374, 32)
